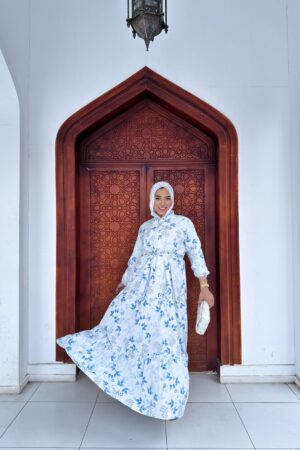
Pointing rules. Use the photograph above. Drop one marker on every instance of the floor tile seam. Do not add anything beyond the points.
(20, 401)
(234, 405)
(151, 448)
(166, 435)
(244, 425)
(240, 417)
(64, 401)
(228, 391)
(209, 401)
(269, 402)
(129, 448)
(12, 401)
(266, 401)
(87, 425)
(33, 393)
(275, 402)
(12, 421)
(113, 403)
(248, 401)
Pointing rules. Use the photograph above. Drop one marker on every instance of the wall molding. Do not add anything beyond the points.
(256, 373)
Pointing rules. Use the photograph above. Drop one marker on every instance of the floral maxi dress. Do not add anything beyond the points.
(138, 352)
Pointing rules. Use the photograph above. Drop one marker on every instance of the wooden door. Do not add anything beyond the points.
(117, 165)
(194, 188)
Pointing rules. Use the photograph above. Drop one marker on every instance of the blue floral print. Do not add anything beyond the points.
(138, 352)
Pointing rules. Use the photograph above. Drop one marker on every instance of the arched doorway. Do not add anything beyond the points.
(108, 154)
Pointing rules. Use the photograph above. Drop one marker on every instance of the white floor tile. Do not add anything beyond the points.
(81, 390)
(8, 411)
(208, 425)
(48, 424)
(24, 396)
(105, 398)
(215, 423)
(275, 425)
(207, 388)
(117, 426)
(261, 392)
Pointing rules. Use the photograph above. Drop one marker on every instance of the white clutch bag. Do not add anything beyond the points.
(203, 317)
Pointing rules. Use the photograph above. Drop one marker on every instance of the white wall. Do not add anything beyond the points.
(294, 77)
(14, 43)
(232, 54)
(9, 229)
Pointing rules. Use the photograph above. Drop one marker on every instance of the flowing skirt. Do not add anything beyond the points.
(137, 353)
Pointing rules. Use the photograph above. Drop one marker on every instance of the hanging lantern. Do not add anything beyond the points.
(147, 19)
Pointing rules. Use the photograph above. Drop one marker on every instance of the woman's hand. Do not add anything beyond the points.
(205, 294)
(119, 287)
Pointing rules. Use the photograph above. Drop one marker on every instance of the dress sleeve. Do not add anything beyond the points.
(132, 262)
(193, 248)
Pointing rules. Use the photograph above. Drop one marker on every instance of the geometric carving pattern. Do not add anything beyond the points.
(114, 222)
(145, 135)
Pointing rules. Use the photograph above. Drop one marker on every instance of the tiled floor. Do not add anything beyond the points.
(219, 416)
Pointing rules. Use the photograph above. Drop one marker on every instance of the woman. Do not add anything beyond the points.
(137, 353)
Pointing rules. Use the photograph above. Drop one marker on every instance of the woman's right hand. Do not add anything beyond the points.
(120, 287)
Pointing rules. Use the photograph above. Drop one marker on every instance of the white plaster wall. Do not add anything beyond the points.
(9, 228)
(227, 58)
(14, 43)
(294, 74)
(232, 54)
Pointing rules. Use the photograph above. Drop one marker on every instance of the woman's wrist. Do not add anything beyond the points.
(203, 282)
(204, 289)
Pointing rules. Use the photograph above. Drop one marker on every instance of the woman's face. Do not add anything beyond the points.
(162, 201)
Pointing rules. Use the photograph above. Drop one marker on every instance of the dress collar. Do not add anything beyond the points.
(165, 218)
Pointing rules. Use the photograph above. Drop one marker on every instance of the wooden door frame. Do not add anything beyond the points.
(148, 84)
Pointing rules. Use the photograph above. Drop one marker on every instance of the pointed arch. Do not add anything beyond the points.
(148, 84)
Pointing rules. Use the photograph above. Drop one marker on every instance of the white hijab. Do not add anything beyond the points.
(155, 187)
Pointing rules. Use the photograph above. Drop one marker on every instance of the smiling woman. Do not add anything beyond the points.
(138, 351)
(162, 201)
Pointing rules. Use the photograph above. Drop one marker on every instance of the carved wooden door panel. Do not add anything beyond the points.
(112, 206)
(193, 185)
(117, 165)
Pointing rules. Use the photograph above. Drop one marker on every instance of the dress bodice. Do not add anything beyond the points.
(169, 236)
